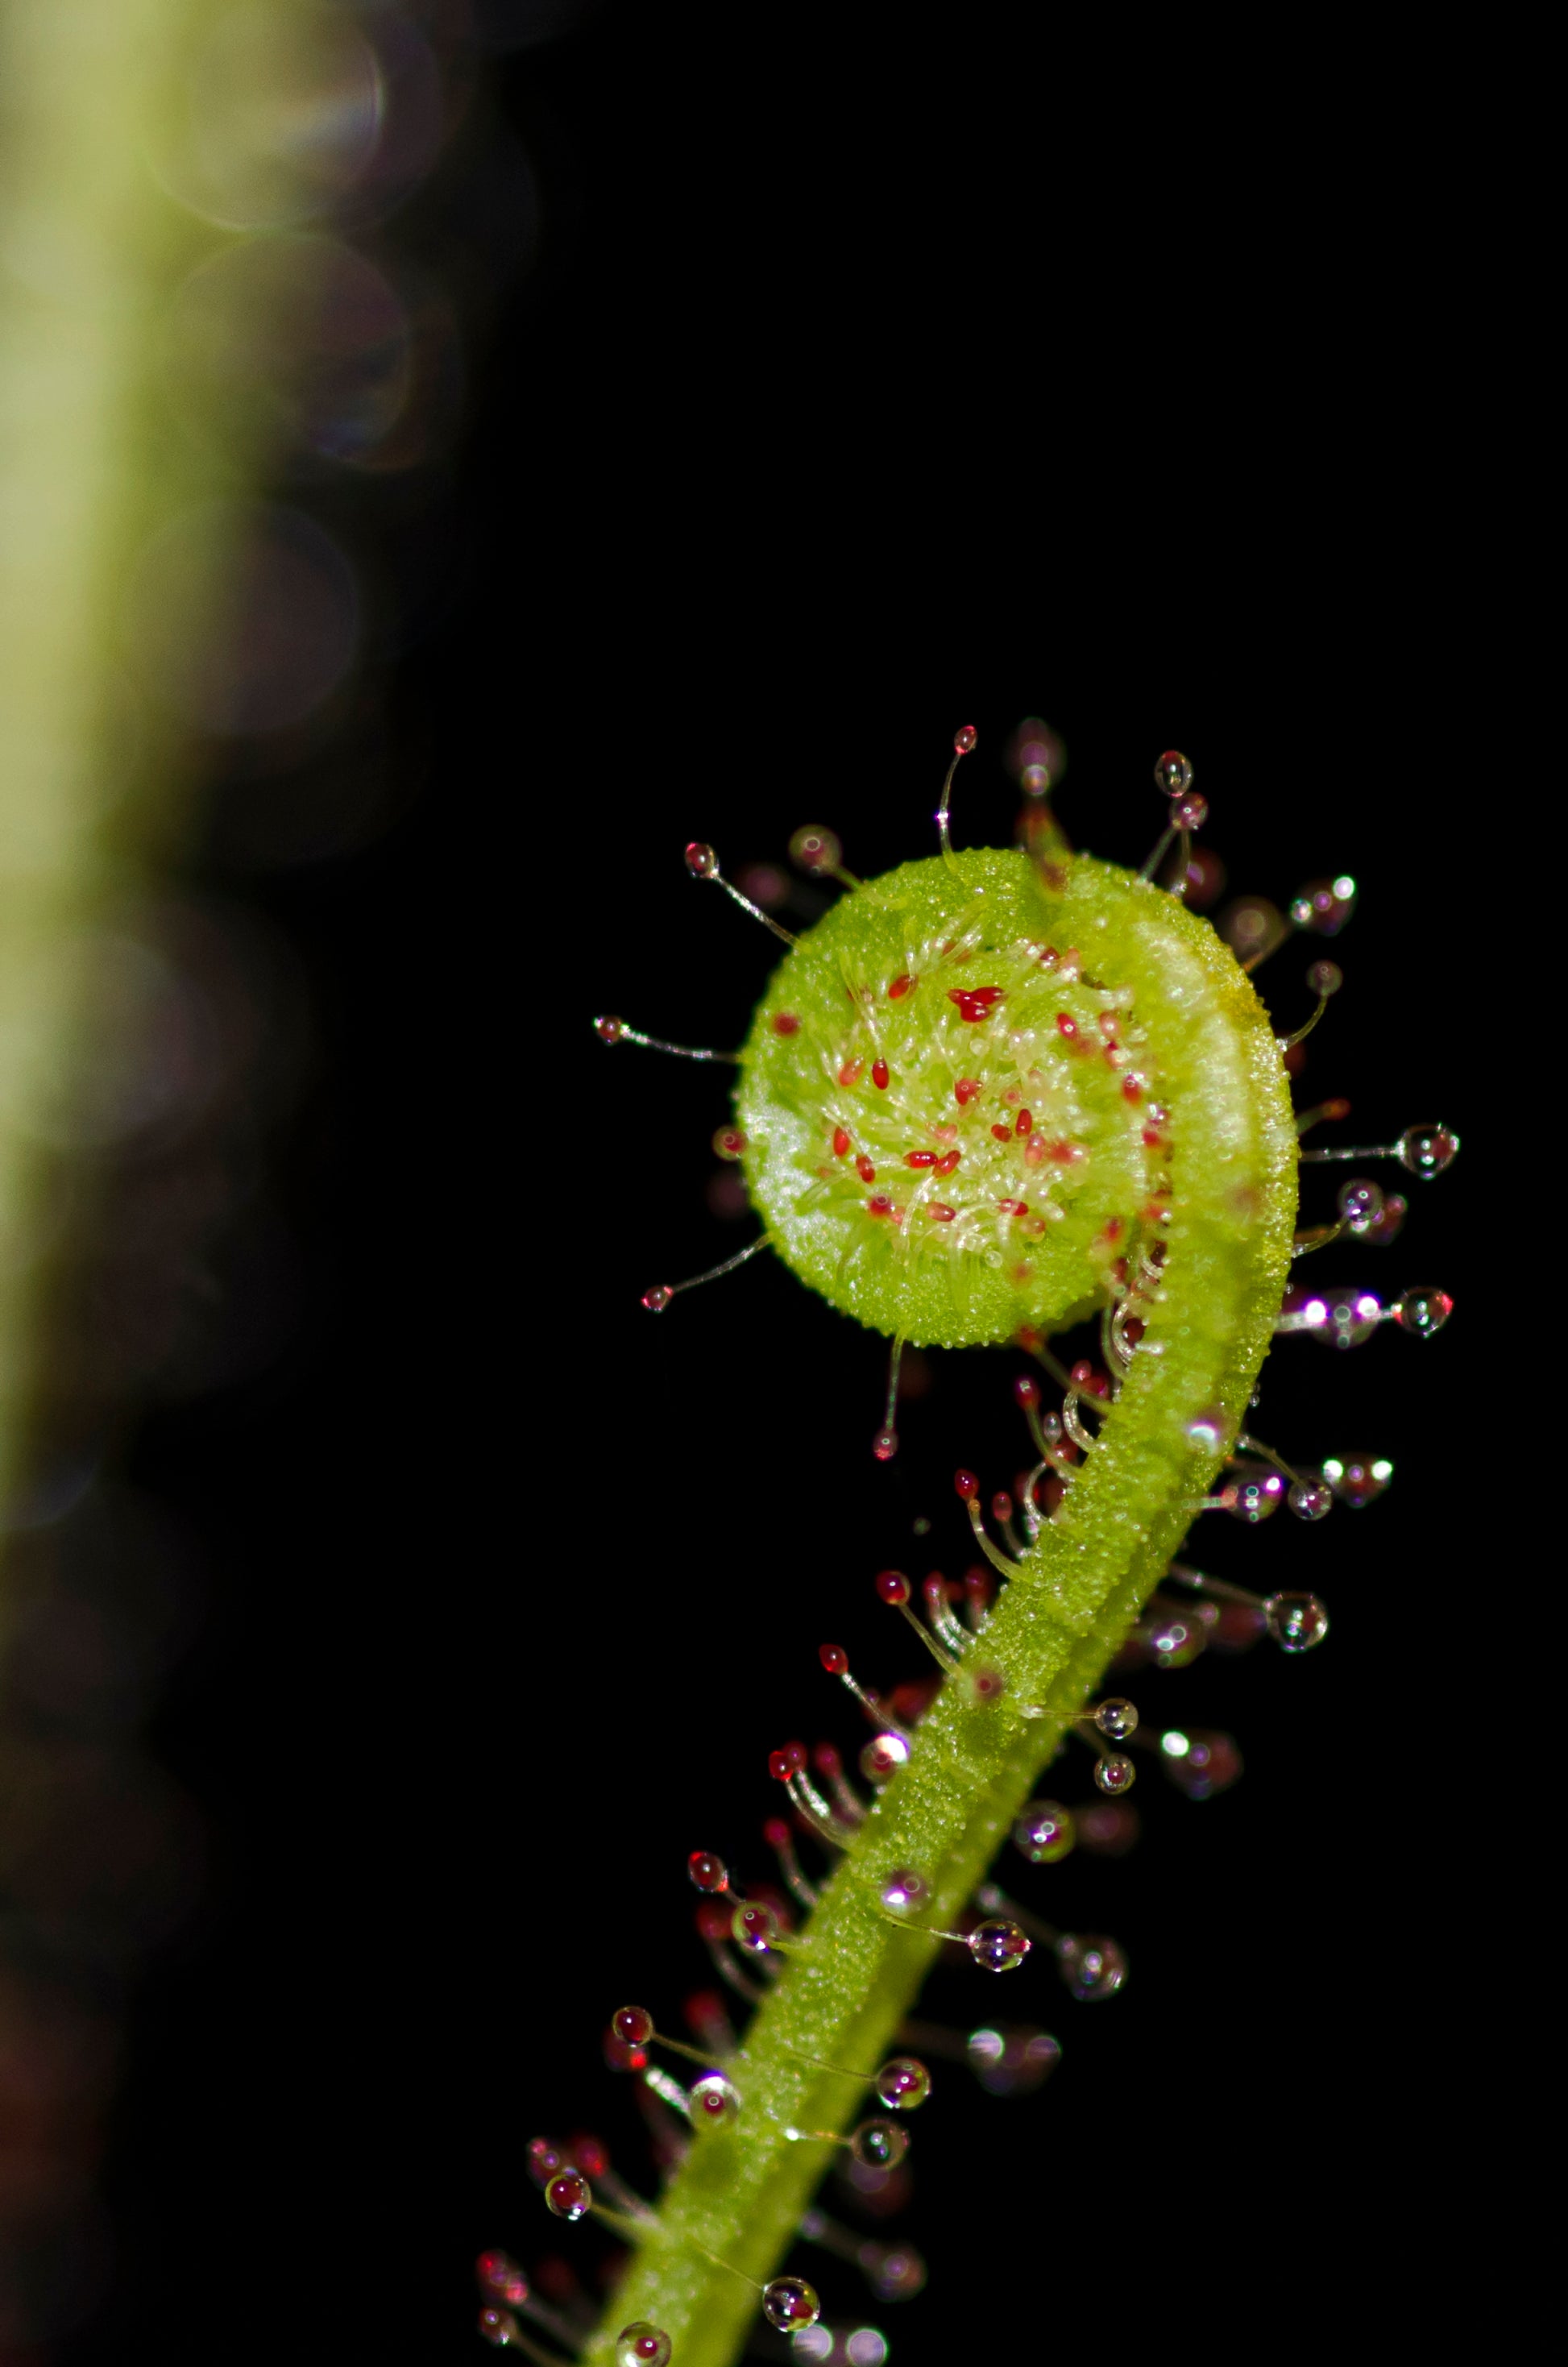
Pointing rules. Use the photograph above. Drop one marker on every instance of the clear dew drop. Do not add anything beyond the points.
(1423, 1310)
(1357, 1479)
(1044, 1832)
(1116, 1718)
(879, 2145)
(1115, 1773)
(1311, 1500)
(999, 1945)
(1092, 1966)
(789, 2302)
(641, 2345)
(1360, 1204)
(1296, 1622)
(1425, 1150)
(903, 2084)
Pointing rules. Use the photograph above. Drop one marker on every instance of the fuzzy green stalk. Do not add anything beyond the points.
(89, 468)
(853, 1971)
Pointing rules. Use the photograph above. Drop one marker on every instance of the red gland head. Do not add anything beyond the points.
(632, 2025)
(706, 1870)
(790, 1761)
(642, 2345)
(964, 740)
(966, 1485)
(777, 1834)
(754, 1925)
(609, 1030)
(569, 2194)
(834, 1658)
(892, 1586)
(816, 848)
(500, 2276)
(700, 861)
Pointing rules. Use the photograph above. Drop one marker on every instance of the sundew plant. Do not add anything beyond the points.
(1019, 1096)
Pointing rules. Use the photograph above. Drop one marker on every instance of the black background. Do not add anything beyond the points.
(853, 399)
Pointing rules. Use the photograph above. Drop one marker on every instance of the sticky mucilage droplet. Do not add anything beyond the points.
(1423, 1311)
(879, 2145)
(1044, 1832)
(1093, 1966)
(1425, 1150)
(999, 1945)
(641, 2345)
(1296, 1622)
(714, 2103)
(903, 2084)
(789, 2304)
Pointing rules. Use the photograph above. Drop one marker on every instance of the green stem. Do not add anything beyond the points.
(1060, 1620)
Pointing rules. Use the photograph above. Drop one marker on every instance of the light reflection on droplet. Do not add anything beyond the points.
(147, 1054)
(243, 617)
(417, 109)
(294, 335)
(278, 116)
